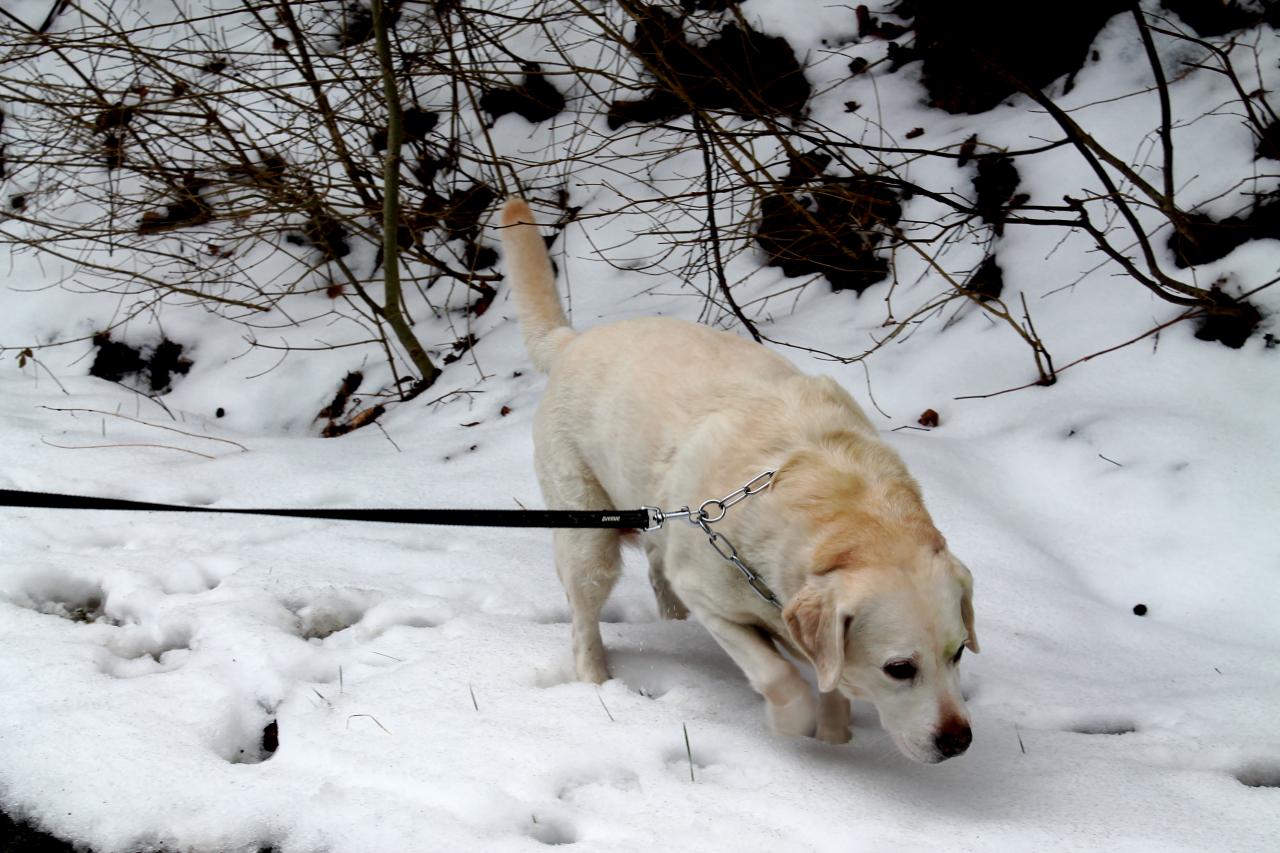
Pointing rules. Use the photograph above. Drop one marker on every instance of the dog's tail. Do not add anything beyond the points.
(545, 327)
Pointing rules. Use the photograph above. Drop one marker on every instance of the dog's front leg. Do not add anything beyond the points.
(835, 719)
(789, 704)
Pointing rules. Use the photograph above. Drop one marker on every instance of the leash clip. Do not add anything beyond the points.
(702, 518)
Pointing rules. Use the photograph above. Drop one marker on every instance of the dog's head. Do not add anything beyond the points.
(894, 635)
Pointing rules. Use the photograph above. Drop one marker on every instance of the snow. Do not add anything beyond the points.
(420, 678)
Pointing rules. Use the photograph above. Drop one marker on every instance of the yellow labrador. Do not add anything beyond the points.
(663, 412)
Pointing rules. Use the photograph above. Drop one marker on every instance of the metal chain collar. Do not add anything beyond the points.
(703, 518)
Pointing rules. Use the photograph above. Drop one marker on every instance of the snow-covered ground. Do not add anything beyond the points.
(420, 681)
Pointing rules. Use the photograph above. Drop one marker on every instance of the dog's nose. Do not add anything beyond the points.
(953, 741)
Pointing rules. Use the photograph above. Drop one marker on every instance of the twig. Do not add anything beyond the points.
(602, 705)
(1186, 315)
(710, 183)
(388, 437)
(107, 446)
(27, 354)
(1162, 89)
(688, 750)
(351, 717)
(147, 423)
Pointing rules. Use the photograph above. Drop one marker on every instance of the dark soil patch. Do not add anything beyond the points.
(1219, 17)
(462, 212)
(987, 281)
(188, 208)
(970, 50)
(336, 409)
(362, 418)
(1231, 324)
(870, 26)
(114, 117)
(113, 150)
(165, 361)
(996, 185)
(459, 217)
(459, 214)
(832, 226)
(320, 230)
(354, 23)
(350, 383)
(460, 348)
(534, 100)
(271, 738)
(356, 26)
(111, 123)
(415, 124)
(1208, 240)
(739, 70)
(115, 361)
(480, 257)
(324, 233)
(17, 836)
(20, 837)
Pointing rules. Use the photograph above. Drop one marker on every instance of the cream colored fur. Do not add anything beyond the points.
(668, 413)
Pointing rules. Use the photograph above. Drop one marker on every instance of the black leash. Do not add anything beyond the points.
(646, 518)
(641, 519)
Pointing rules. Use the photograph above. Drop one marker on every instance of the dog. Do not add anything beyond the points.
(658, 411)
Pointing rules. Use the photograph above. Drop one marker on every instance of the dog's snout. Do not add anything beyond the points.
(953, 740)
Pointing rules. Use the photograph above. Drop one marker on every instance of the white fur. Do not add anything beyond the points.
(667, 413)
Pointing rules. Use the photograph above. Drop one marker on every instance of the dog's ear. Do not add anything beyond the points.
(815, 626)
(966, 601)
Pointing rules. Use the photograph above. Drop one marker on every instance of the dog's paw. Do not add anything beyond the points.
(592, 669)
(796, 717)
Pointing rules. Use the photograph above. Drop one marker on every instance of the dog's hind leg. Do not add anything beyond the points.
(588, 564)
(669, 604)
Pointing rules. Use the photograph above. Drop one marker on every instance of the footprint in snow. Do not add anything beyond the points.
(325, 613)
(677, 760)
(1107, 726)
(138, 650)
(586, 783)
(550, 831)
(195, 575)
(363, 614)
(56, 592)
(250, 735)
(1260, 775)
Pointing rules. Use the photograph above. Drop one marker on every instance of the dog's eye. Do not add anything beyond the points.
(902, 670)
(956, 657)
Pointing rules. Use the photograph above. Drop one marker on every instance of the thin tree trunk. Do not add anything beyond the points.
(393, 307)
